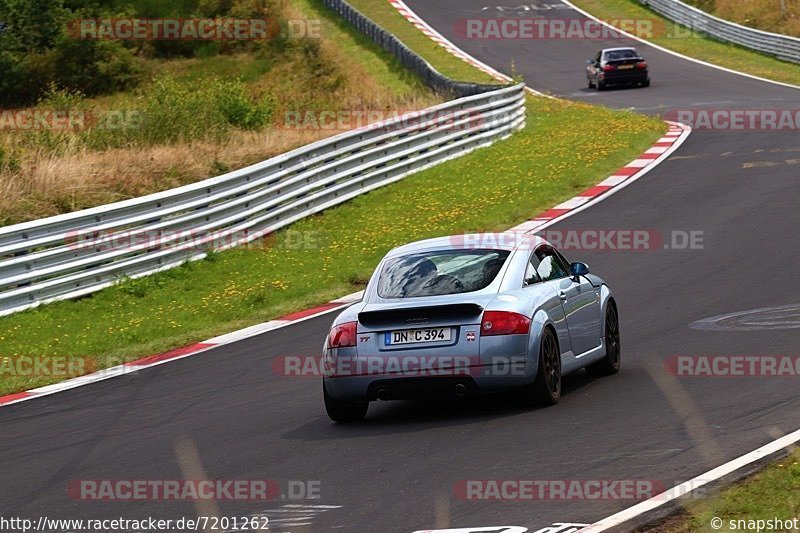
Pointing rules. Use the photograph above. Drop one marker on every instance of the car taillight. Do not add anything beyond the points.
(343, 335)
(609, 67)
(641, 64)
(504, 323)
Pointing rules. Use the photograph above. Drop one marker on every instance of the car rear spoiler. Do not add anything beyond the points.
(420, 316)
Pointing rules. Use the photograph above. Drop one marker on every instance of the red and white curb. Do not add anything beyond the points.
(180, 353)
(625, 176)
(631, 172)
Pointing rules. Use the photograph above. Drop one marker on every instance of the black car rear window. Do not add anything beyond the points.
(617, 55)
(438, 273)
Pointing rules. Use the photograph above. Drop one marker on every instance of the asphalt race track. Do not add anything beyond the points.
(396, 471)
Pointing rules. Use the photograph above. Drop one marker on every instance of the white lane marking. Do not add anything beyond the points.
(677, 54)
(558, 527)
(84, 380)
(562, 527)
(693, 484)
(248, 332)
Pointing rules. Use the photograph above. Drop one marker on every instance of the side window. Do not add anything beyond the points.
(563, 260)
(551, 266)
(531, 276)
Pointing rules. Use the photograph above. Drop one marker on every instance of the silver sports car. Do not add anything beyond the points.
(469, 314)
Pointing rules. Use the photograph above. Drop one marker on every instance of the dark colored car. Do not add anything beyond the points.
(617, 66)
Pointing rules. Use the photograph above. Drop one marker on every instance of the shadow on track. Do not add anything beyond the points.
(417, 415)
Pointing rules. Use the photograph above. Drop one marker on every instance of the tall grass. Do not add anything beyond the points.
(780, 16)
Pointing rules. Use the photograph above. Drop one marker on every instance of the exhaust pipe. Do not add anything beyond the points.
(460, 390)
(382, 394)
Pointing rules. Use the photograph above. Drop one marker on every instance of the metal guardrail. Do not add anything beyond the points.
(78, 253)
(781, 46)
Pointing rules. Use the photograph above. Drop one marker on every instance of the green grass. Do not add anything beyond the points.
(772, 493)
(564, 148)
(381, 65)
(696, 46)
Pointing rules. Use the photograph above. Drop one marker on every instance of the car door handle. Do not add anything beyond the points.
(563, 296)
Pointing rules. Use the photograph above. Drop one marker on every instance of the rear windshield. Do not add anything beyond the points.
(439, 273)
(616, 55)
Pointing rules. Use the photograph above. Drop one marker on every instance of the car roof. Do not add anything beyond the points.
(620, 48)
(507, 240)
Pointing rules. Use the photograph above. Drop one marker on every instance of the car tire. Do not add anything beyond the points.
(344, 412)
(601, 86)
(646, 83)
(609, 364)
(547, 386)
(589, 82)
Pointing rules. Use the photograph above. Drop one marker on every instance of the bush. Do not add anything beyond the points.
(239, 108)
(37, 50)
(175, 111)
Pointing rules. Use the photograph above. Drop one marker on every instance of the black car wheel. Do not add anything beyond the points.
(610, 363)
(342, 411)
(547, 386)
(646, 83)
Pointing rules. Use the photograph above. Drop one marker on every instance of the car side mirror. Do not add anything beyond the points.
(577, 270)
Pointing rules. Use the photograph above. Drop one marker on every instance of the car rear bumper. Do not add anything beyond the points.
(625, 77)
(477, 380)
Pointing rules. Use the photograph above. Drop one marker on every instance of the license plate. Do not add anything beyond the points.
(416, 336)
(621, 67)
